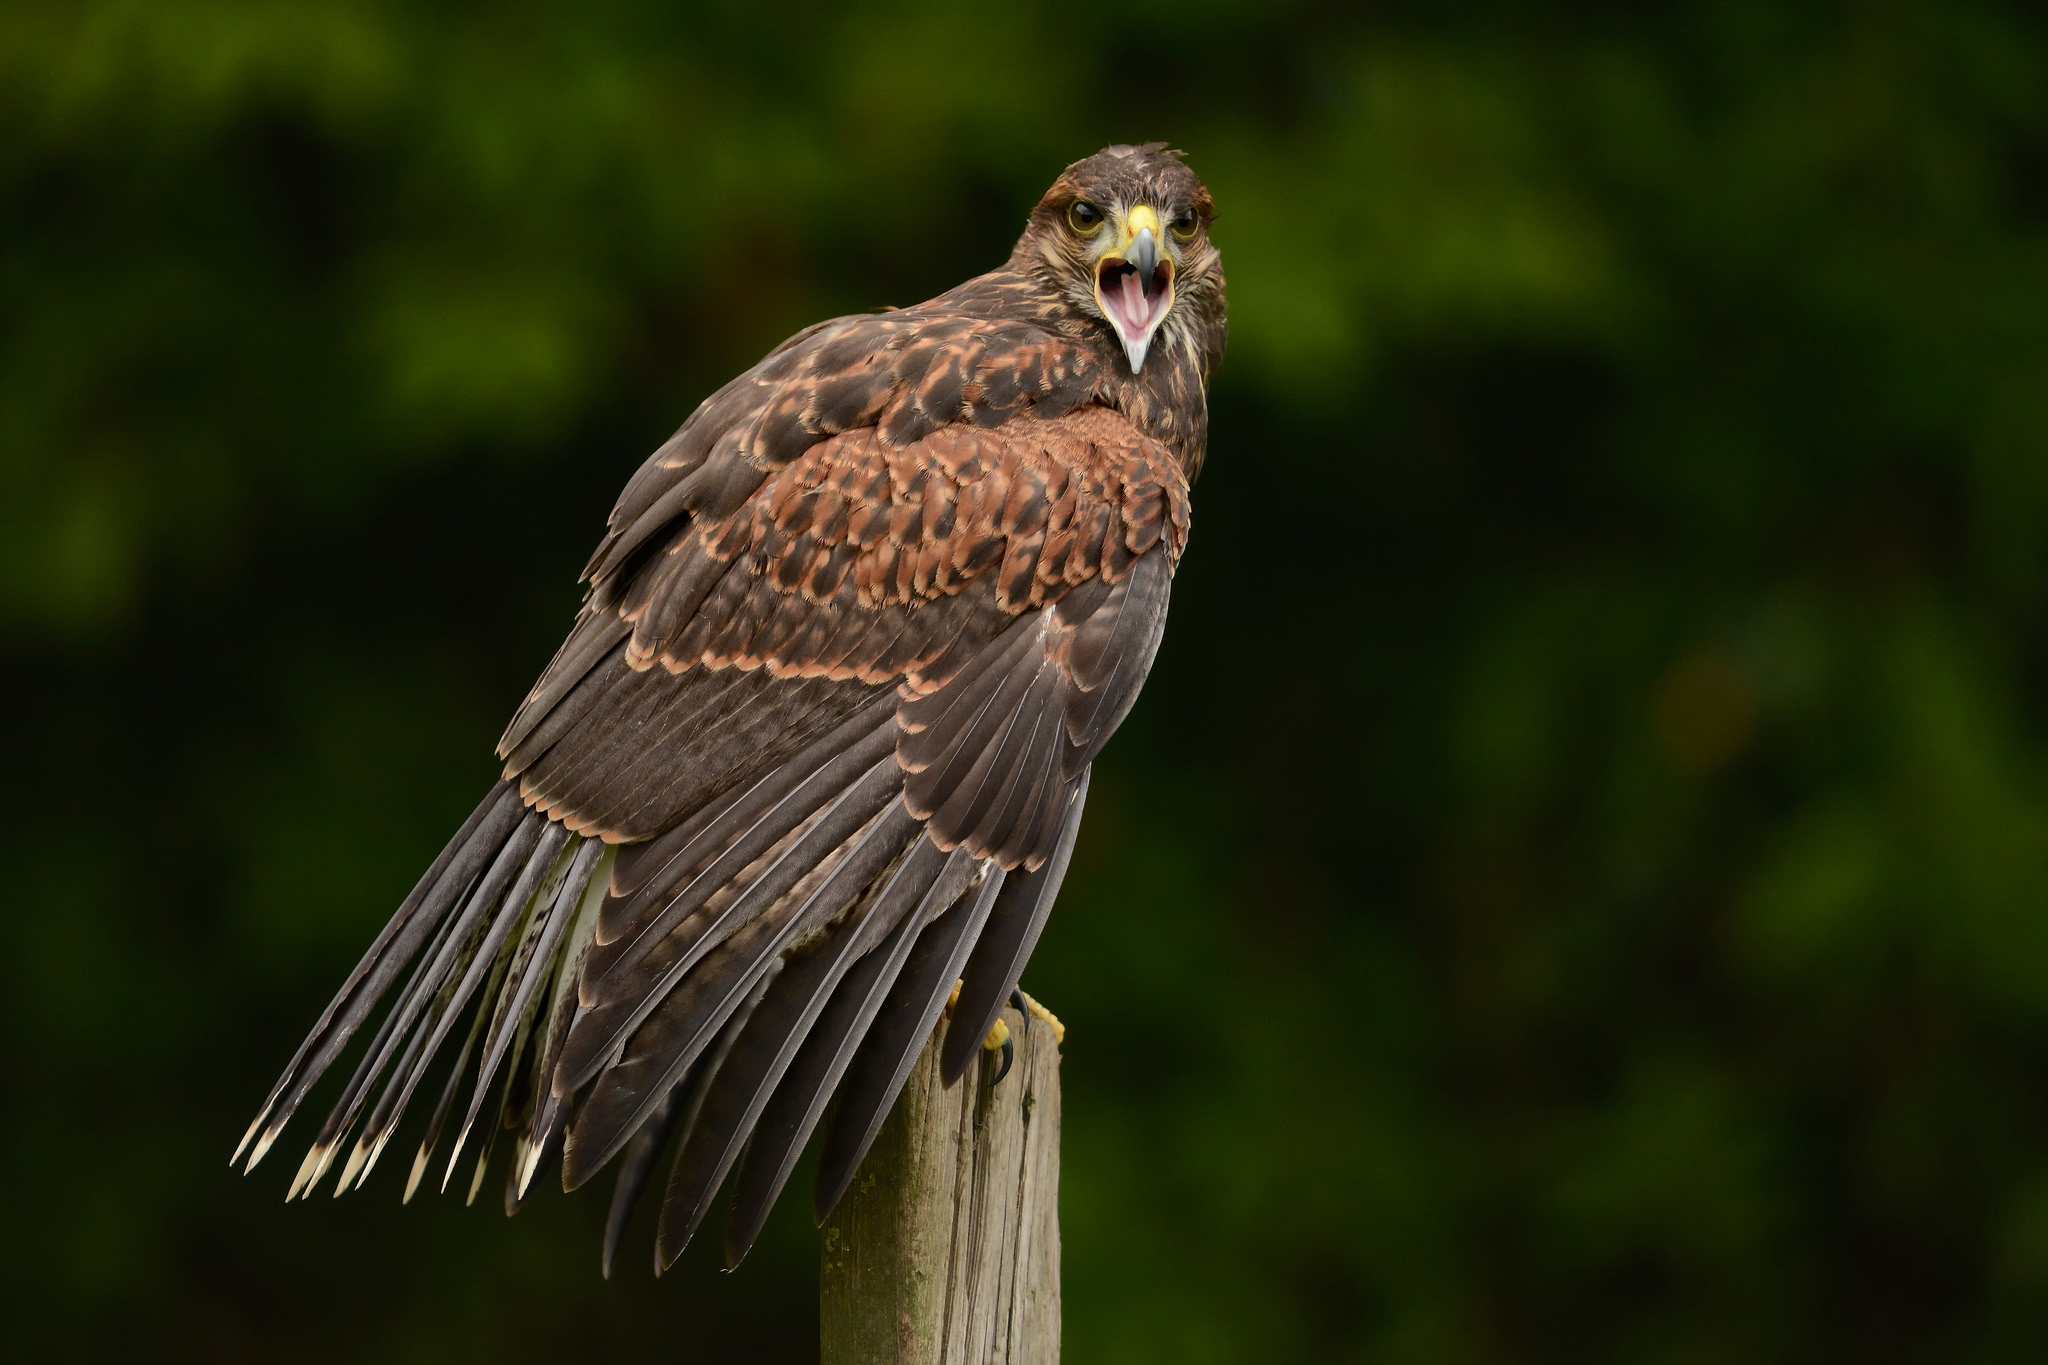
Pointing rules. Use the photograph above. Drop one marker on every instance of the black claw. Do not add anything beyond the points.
(1009, 1056)
(1017, 1004)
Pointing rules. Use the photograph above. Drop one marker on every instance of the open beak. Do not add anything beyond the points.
(1134, 284)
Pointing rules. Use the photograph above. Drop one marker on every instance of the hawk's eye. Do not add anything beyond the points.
(1083, 217)
(1183, 224)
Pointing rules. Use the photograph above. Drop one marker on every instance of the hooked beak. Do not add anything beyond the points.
(1134, 284)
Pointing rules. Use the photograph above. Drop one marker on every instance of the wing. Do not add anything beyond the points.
(815, 747)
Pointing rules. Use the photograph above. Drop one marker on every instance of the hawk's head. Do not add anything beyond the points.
(1124, 238)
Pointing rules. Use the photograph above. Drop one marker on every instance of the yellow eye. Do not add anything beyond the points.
(1183, 224)
(1083, 217)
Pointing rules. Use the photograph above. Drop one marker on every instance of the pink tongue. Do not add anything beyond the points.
(1131, 302)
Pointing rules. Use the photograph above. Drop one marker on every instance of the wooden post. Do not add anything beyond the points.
(946, 1251)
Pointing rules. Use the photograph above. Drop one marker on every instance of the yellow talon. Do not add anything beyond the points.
(997, 1036)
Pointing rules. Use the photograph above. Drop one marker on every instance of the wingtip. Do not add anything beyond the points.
(308, 1175)
(261, 1149)
(825, 1201)
(461, 1140)
(326, 1164)
(533, 1153)
(525, 1161)
(412, 1180)
(957, 1048)
(664, 1256)
(358, 1157)
(574, 1176)
(614, 1233)
(370, 1162)
(476, 1182)
(736, 1251)
(242, 1146)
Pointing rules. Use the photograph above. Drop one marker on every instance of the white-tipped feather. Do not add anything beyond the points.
(433, 1025)
(533, 1145)
(476, 1181)
(369, 1162)
(327, 1158)
(576, 943)
(454, 1156)
(455, 1074)
(525, 1156)
(309, 1171)
(516, 1014)
(262, 1148)
(245, 1141)
(412, 1180)
(356, 1157)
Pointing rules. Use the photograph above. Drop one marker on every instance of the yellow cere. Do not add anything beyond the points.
(1138, 219)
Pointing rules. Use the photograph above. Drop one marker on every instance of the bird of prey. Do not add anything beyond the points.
(816, 748)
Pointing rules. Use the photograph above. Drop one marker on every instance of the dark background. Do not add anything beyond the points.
(1576, 887)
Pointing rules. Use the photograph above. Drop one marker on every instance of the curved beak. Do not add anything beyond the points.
(1134, 283)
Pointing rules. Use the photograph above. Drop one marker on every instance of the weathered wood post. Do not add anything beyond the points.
(946, 1251)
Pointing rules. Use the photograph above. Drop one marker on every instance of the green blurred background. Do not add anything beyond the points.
(1576, 887)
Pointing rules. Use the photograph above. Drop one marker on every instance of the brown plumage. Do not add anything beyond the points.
(818, 743)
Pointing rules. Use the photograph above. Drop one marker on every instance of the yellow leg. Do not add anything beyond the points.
(998, 1039)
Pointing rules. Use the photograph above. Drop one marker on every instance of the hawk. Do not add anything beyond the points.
(811, 762)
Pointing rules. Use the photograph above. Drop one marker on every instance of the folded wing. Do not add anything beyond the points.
(816, 748)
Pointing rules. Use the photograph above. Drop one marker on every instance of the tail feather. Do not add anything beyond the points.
(516, 1111)
(883, 1063)
(775, 807)
(801, 990)
(657, 867)
(624, 998)
(367, 1149)
(439, 1121)
(486, 957)
(457, 944)
(483, 1163)
(713, 992)
(315, 1164)
(793, 1112)
(543, 1114)
(669, 1033)
(1014, 924)
(416, 919)
(690, 1096)
(531, 960)
(636, 1164)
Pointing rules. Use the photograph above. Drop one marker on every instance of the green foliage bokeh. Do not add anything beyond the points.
(1576, 886)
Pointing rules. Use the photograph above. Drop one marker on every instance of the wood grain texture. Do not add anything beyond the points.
(946, 1251)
